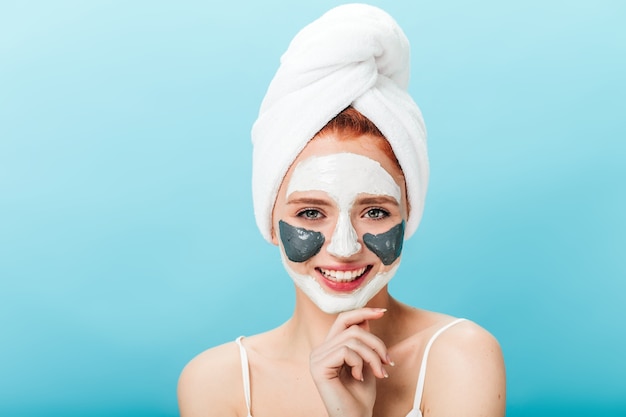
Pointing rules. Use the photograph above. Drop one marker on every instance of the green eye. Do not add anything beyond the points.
(376, 213)
(310, 214)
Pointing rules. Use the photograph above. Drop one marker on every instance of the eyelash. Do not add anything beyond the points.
(315, 214)
(303, 214)
(382, 213)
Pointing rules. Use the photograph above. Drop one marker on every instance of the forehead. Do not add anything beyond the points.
(366, 145)
(343, 176)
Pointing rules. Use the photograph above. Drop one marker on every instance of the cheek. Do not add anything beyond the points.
(299, 244)
(388, 245)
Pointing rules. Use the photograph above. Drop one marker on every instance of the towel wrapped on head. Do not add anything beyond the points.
(354, 55)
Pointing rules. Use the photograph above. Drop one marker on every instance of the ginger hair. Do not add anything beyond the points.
(350, 124)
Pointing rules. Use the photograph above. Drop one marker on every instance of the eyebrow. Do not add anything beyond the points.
(378, 200)
(309, 201)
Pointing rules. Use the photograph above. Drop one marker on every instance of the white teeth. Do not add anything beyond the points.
(343, 276)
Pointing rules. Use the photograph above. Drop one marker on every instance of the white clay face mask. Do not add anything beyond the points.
(343, 176)
(336, 303)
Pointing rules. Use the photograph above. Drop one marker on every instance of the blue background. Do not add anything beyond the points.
(127, 237)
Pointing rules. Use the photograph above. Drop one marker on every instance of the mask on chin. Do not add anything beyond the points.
(337, 303)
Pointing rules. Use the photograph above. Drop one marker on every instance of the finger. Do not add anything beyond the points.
(354, 317)
(355, 362)
(368, 347)
(329, 365)
(372, 341)
(368, 356)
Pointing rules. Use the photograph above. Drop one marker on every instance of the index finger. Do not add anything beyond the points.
(349, 318)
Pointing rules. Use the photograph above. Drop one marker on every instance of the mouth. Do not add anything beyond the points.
(344, 280)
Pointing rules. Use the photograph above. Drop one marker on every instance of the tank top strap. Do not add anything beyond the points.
(419, 391)
(245, 372)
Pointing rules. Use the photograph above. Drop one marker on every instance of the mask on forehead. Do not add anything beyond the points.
(343, 176)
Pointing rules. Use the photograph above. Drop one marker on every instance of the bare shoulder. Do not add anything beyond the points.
(211, 384)
(465, 374)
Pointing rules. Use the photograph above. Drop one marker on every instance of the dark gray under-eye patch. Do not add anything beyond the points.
(387, 246)
(300, 244)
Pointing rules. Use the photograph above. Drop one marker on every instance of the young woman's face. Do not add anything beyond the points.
(339, 221)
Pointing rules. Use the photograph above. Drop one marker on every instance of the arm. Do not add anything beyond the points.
(465, 375)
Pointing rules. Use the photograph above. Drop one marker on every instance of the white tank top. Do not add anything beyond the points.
(419, 390)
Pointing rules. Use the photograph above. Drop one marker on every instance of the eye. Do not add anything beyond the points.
(310, 214)
(376, 214)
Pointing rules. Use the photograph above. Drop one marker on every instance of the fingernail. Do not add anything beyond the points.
(382, 310)
(390, 362)
(385, 373)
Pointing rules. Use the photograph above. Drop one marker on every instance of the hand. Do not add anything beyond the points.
(346, 365)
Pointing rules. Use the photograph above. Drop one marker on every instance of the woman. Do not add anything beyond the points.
(339, 180)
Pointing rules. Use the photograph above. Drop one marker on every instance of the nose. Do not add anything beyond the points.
(344, 242)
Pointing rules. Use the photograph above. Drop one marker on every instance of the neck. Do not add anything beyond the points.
(309, 325)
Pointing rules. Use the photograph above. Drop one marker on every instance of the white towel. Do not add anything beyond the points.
(355, 55)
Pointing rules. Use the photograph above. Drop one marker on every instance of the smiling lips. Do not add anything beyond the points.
(342, 276)
(343, 280)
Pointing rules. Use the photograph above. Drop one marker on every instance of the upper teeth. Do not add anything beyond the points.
(343, 276)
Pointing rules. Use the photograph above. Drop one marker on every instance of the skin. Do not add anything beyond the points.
(318, 364)
(323, 192)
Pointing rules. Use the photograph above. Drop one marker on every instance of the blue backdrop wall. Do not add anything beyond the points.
(127, 238)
